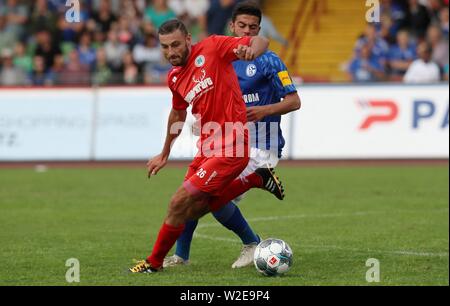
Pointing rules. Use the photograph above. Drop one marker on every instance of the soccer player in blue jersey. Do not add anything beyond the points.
(269, 93)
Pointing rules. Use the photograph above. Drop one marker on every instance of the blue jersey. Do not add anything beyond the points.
(265, 81)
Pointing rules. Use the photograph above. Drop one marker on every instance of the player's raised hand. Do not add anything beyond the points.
(249, 54)
(155, 164)
(240, 52)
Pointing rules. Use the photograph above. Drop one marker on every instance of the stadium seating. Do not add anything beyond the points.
(322, 42)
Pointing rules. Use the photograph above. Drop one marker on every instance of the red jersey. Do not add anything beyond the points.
(209, 83)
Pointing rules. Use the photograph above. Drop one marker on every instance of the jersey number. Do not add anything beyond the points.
(201, 173)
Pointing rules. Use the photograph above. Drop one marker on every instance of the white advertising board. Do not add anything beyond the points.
(369, 122)
(335, 122)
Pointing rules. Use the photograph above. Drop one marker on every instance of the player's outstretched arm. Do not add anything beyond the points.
(174, 128)
(258, 45)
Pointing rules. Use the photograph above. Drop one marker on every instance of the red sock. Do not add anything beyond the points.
(235, 189)
(167, 237)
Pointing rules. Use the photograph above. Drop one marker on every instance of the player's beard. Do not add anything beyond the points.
(180, 60)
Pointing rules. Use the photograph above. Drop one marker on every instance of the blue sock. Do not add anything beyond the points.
(184, 242)
(231, 217)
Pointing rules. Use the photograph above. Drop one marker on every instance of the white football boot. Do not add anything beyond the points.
(173, 261)
(246, 257)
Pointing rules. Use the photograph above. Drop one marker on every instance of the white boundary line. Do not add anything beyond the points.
(328, 247)
(332, 215)
(273, 218)
(334, 247)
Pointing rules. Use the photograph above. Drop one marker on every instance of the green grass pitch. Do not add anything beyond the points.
(334, 218)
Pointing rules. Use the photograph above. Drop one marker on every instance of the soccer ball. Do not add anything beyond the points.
(273, 257)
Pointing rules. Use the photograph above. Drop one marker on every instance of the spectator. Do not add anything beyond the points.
(423, 70)
(104, 17)
(157, 73)
(388, 31)
(66, 32)
(7, 38)
(16, 16)
(366, 67)
(159, 12)
(379, 47)
(129, 10)
(9, 74)
(115, 50)
(99, 39)
(113, 5)
(46, 48)
(130, 70)
(401, 55)
(102, 73)
(446, 68)
(193, 14)
(434, 8)
(74, 72)
(148, 28)
(148, 54)
(418, 18)
(21, 59)
(58, 69)
(219, 14)
(42, 18)
(396, 12)
(439, 45)
(443, 20)
(40, 76)
(86, 51)
(192, 8)
(124, 33)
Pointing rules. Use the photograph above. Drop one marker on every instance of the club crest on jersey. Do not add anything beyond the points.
(200, 61)
(251, 70)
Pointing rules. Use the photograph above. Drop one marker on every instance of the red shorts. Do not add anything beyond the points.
(212, 175)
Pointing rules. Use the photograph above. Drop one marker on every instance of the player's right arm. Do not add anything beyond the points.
(174, 128)
(175, 124)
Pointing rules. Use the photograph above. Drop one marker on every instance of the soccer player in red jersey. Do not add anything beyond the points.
(203, 76)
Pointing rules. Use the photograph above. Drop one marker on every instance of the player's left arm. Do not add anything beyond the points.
(258, 45)
(289, 104)
(276, 71)
(239, 48)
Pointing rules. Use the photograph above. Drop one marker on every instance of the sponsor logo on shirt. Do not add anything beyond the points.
(285, 78)
(203, 85)
(251, 98)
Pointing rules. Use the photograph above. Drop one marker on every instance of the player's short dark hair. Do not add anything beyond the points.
(247, 8)
(171, 26)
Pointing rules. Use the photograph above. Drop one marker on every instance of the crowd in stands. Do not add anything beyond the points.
(409, 44)
(115, 41)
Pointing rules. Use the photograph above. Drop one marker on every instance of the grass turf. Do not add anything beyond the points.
(333, 218)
